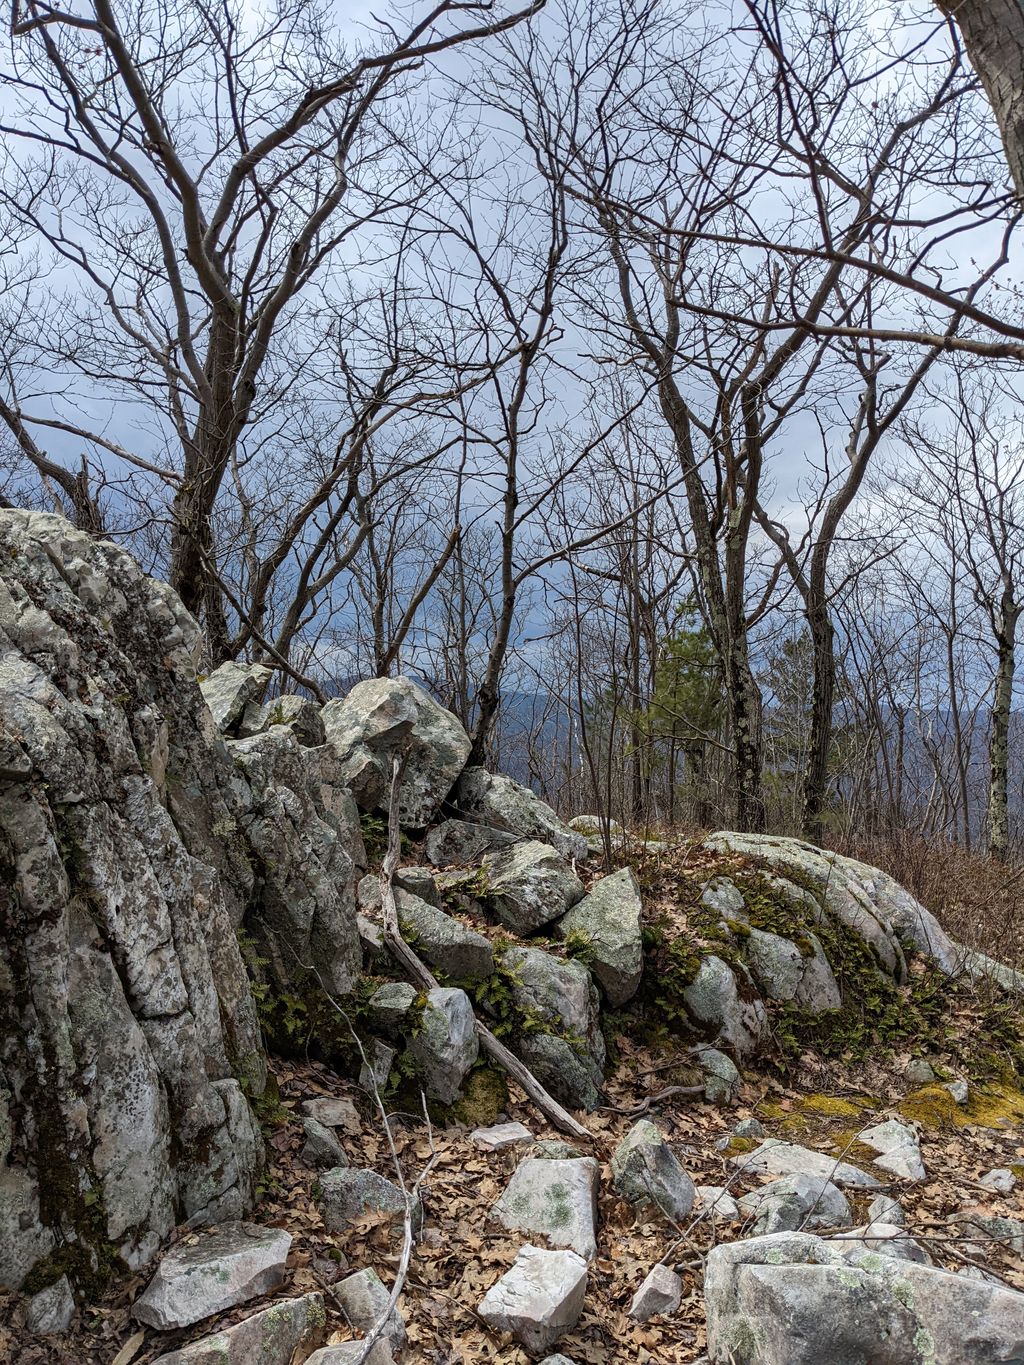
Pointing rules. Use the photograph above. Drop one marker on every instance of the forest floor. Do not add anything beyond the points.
(803, 1096)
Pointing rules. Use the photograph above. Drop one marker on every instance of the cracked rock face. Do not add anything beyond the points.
(126, 1018)
(539, 1299)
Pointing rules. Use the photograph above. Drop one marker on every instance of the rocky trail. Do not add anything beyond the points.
(277, 979)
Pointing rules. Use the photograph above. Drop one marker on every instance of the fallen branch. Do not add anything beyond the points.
(425, 979)
(667, 1093)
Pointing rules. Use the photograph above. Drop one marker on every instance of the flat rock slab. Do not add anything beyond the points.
(334, 1113)
(556, 1199)
(539, 1298)
(284, 1332)
(235, 1263)
(794, 1299)
(788, 1158)
(499, 1136)
(660, 1293)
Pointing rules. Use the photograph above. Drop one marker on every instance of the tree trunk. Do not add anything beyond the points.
(822, 702)
(993, 34)
(999, 741)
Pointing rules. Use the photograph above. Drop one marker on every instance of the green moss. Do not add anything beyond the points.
(484, 1097)
(993, 1106)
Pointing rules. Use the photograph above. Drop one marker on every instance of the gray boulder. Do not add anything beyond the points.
(718, 1202)
(462, 841)
(863, 898)
(502, 803)
(127, 877)
(999, 1181)
(375, 1071)
(529, 885)
(645, 1171)
(307, 914)
(793, 1299)
(390, 1006)
(321, 1149)
(214, 1271)
(884, 1209)
(283, 1333)
(721, 1078)
(539, 1299)
(560, 994)
(796, 1202)
(51, 1310)
(784, 971)
(461, 953)
(229, 689)
(561, 1069)
(364, 1300)
(713, 1000)
(445, 1045)
(383, 716)
(418, 881)
(886, 1239)
(347, 1194)
(554, 1199)
(661, 1293)
(607, 920)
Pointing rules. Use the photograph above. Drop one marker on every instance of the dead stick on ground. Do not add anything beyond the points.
(416, 969)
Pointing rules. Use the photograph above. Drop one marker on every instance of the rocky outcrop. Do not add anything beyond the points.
(498, 801)
(794, 1299)
(127, 1030)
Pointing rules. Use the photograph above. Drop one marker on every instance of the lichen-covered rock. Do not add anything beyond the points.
(382, 717)
(796, 1202)
(462, 954)
(300, 715)
(125, 1011)
(561, 1069)
(721, 1078)
(376, 1068)
(462, 841)
(419, 881)
(794, 1299)
(229, 689)
(539, 1299)
(445, 1045)
(284, 1333)
(322, 1149)
(346, 1194)
(306, 914)
(558, 994)
(495, 800)
(863, 898)
(553, 1199)
(785, 970)
(714, 1001)
(52, 1310)
(776, 1157)
(390, 1007)
(529, 885)
(607, 922)
(212, 1272)
(645, 1171)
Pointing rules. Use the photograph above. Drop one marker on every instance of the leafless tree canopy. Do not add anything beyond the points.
(643, 378)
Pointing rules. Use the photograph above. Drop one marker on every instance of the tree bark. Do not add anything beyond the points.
(999, 741)
(993, 34)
